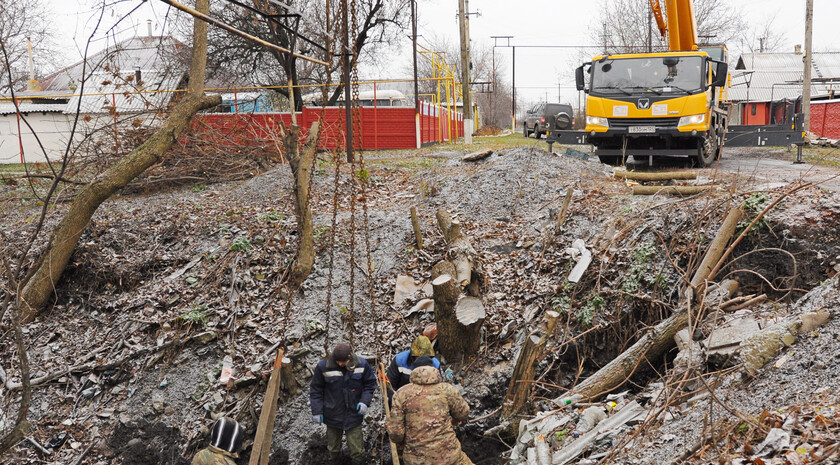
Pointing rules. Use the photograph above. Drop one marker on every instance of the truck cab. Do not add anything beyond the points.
(655, 105)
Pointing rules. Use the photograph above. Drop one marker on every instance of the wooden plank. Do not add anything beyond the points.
(265, 427)
(382, 379)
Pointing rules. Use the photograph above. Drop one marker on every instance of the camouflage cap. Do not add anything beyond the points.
(422, 346)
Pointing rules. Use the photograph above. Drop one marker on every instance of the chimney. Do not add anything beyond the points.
(797, 49)
(149, 26)
(137, 76)
(32, 85)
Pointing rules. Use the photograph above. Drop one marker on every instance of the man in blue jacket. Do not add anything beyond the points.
(399, 371)
(340, 392)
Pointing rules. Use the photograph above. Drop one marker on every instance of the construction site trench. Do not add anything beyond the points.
(183, 283)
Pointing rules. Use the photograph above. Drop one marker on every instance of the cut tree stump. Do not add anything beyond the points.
(415, 224)
(458, 329)
(653, 344)
(459, 250)
(469, 311)
(671, 190)
(287, 377)
(531, 354)
(659, 176)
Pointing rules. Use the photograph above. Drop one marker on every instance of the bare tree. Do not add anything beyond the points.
(762, 38)
(39, 285)
(627, 25)
(233, 59)
(494, 99)
(20, 19)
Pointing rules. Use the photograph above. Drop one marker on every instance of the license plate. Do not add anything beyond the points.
(642, 129)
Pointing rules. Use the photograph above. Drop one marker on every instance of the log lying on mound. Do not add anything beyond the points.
(657, 341)
(459, 320)
(671, 190)
(658, 176)
(475, 156)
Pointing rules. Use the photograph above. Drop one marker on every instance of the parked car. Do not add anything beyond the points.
(540, 115)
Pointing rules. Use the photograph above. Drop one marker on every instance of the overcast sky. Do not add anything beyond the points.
(540, 73)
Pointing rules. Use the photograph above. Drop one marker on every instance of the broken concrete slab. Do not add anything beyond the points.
(724, 340)
(629, 412)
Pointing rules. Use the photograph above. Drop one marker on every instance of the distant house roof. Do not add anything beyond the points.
(146, 53)
(764, 77)
(104, 91)
(159, 61)
(8, 108)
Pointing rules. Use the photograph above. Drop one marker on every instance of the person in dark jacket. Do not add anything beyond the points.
(399, 371)
(340, 392)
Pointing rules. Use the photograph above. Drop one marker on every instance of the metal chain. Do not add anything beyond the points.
(328, 303)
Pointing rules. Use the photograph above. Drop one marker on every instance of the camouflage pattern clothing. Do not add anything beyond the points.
(214, 456)
(421, 420)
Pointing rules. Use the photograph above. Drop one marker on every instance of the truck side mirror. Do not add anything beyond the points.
(579, 82)
(721, 73)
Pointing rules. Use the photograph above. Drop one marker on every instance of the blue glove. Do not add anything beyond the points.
(447, 375)
(361, 409)
(318, 419)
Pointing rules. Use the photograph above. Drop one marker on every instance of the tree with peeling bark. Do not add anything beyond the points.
(301, 165)
(39, 286)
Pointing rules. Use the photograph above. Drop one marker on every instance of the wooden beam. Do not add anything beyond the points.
(265, 427)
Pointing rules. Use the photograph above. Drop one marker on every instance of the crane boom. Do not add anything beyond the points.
(680, 26)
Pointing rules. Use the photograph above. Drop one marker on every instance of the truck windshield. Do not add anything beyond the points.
(659, 75)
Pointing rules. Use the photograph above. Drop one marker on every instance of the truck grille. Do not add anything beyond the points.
(658, 122)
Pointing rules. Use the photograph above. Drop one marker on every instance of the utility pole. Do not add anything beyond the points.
(463, 18)
(513, 91)
(416, 85)
(806, 76)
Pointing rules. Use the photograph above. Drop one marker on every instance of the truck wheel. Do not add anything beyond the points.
(612, 160)
(537, 132)
(708, 153)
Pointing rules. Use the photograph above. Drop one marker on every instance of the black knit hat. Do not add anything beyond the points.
(342, 352)
(227, 434)
(423, 361)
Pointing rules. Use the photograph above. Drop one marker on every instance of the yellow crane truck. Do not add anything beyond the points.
(650, 105)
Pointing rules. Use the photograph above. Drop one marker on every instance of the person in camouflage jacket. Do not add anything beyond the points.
(422, 418)
(225, 440)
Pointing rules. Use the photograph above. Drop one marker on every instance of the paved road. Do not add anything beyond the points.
(765, 166)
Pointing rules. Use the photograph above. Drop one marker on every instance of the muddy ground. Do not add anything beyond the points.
(171, 283)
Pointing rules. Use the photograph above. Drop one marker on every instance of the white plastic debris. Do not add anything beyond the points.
(582, 262)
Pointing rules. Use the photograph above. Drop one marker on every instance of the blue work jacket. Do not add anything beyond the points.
(334, 391)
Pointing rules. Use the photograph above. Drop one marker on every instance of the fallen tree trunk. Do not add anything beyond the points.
(657, 341)
(40, 284)
(475, 156)
(531, 354)
(671, 190)
(658, 176)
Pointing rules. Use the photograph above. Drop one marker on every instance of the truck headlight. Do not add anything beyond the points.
(693, 119)
(597, 121)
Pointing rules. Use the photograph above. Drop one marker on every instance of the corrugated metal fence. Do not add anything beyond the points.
(380, 127)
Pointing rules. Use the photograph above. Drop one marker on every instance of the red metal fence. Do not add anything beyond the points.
(379, 127)
(825, 119)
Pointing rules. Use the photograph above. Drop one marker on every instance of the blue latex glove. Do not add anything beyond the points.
(361, 409)
(318, 419)
(447, 375)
